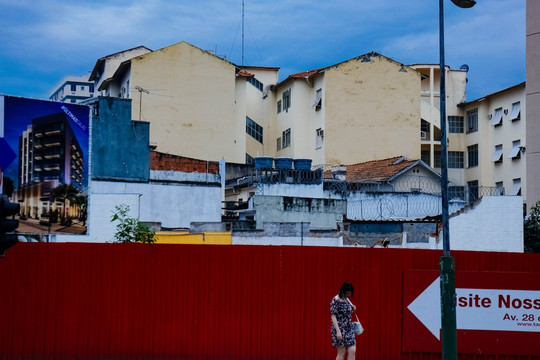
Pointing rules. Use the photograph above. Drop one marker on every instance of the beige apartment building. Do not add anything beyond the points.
(198, 104)
(430, 123)
(495, 141)
(366, 108)
(358, 110)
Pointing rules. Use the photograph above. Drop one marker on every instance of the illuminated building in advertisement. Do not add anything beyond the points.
(49, 155)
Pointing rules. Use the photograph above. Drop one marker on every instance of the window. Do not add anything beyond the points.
(456, 192)
(73, 87)
(278, 144)
(91, 88)
(472, 120)
(249, 160)
(473, 190)
(424, 156)
(472, 155)
(497, 155)
(437, 159)
(500, 188)
(259, 85)
(286, 100)
(424, 130)
(516, 111)
(516, 187)
(286, 139)
(279, 106)
(455, 159)
(455, 124)
(497, 118)
(254, 130)
(319, 138)
(515, 153)
(318, 100)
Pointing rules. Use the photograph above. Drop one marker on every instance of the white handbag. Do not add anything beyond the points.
(356, 325)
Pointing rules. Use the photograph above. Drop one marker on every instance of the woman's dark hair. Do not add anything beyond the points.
(344, 288)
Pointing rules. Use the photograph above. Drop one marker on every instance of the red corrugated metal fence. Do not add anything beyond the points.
(133, 301)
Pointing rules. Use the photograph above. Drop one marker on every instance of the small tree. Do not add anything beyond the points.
(531, 230)
(131, 230)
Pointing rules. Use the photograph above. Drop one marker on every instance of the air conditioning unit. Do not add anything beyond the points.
(423, 135)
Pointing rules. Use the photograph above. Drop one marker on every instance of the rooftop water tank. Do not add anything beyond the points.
(302, 164)
(263, 162)
(283, 163)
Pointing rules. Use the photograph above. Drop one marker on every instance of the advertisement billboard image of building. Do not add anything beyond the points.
(44, 163)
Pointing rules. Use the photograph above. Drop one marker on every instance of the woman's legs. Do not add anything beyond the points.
(351, 352)
(341, 352)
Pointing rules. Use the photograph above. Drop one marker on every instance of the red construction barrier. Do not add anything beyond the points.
(134, 301)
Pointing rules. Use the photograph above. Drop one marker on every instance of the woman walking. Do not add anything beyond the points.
(341, 309)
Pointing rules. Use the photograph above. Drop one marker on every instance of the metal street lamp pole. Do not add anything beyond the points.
(447, 268)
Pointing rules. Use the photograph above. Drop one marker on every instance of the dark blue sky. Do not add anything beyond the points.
(44, 41)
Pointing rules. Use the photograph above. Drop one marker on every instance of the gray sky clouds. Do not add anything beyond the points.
(43, 41)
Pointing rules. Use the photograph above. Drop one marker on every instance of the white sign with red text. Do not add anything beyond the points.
(481, 309)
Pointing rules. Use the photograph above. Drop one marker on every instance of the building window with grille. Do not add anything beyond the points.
(516, 111)
(279, 106)
(500, 187)
(472, 121)
(472, 155)
(473, 190)
(249, 159)
(496, 120)
(278, 144)
(498, 154)
(455, 159)
(319, 138)
(286, 100)
(318, 100)
(437, 159)
(516, 186)
(455, 124)
(515, 153)
(286, 139)
(254, 130)
(259, 85)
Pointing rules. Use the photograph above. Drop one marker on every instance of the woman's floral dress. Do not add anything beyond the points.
(343, 311)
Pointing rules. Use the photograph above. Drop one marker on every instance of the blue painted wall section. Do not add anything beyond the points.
(119, 145)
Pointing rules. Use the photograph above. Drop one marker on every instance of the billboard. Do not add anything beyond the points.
(44, 163)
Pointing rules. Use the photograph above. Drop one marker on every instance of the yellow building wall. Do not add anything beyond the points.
(211, 238)
(190, 104)
(372, 111)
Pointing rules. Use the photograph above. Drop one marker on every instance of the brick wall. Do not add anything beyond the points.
(161, 161)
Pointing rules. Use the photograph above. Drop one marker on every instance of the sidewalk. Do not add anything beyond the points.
(33, 226)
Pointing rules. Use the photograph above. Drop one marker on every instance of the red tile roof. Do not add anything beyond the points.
(244, 73)
(378, 170)
(308, 73)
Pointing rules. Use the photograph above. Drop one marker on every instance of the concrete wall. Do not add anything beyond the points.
(174, 206)
(192, 103)
(495, 223)
(119, 148)
(372, 111)
(320, 213)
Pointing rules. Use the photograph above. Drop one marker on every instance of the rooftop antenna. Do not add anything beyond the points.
(242, 32)
(140, 90)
